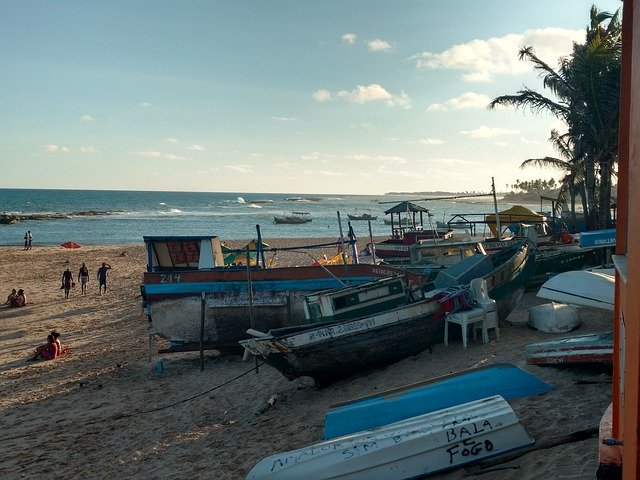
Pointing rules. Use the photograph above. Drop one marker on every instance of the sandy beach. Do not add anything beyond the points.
(103, 411)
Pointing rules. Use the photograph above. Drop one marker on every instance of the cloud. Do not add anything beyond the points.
(349, 38)
(466, 100)
(156, 154)
(86, 118)
(240, 168)
(89, 149)
(56, 149)
(284, 119)
(481, 60)
(431, 141)
(144, 104)
(374, 93)
(171, 140)
(378, 45)
(321, 95)
(488, 132)
(195, 148)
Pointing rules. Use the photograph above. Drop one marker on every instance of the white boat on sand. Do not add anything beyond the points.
(580, 287)
(418, 446)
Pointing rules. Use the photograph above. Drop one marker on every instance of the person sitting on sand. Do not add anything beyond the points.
(67, 281)
(21, 299)
(56, 338)
(50, 351)
(11, 299)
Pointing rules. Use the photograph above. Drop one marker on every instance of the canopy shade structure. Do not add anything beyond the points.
(515, 214)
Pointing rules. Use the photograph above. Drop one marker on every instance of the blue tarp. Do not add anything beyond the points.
(394, 405)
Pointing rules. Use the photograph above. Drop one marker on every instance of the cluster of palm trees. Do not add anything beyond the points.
(586, 97)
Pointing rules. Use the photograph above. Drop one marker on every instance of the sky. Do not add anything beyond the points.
(292, 96)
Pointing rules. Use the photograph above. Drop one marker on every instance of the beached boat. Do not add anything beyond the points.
(590, 348)
(580, 287)
(187, 277)
(506, 272)
(441, 254)
(293, 218)
(356, 301)
(561, 258)
(389, 406)
(418, 446)
(331, 352)
(362, 216)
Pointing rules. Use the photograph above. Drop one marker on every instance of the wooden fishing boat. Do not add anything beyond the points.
(331, 352)
(356, 301)
(293, 218)
(186, 278)
(362, 216)
(389, 406)
(561, 258)
(591, 348)
(418, 446)
(580, 287)
(399, 244)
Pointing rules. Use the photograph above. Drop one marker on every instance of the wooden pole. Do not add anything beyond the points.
(495, 207)
(250, 296)
(373, 248)
(344, 257)
(202, 310)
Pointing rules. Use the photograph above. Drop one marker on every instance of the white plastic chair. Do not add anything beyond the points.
(464, 318)
(481, 294)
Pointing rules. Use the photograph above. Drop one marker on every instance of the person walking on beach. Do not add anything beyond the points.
(26, 240)
(83, 277)
(67, 281)
(102, 276)
(29, 239)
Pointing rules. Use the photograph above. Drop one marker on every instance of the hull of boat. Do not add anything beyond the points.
(398, 404)
(591, 289)
(329, 353)
(507, 283)
(415, 447)
(592, 348)
(561, 259)
(175, 306)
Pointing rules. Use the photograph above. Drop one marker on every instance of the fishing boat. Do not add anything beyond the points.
(580, 287)
(359, 300)
(331, 352)
(389, 406)
(561, 258)
(591, 348)
(362, 216)
(187, 278)
(293, 218)
(328, 353)
(443, 254)
(418, 446)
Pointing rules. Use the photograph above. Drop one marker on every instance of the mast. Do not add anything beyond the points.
(495, 207)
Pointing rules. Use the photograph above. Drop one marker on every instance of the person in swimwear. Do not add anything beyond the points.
(67, 281)
(11, 299)
(50, 349)
(102, 276)
(21, 299)
(56, 339)
(83, 276)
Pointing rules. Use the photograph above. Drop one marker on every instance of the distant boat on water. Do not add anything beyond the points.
(363, 216)
(293, 217)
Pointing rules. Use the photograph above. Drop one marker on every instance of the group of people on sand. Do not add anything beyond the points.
(52, 349)
(16, 299)
(83, 277)
(28, 239)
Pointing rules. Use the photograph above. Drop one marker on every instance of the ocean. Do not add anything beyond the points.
(126, 216)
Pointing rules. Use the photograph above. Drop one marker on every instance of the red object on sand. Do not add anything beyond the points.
(70, 245)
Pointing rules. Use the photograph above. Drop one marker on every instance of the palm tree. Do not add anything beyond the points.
(586, 89)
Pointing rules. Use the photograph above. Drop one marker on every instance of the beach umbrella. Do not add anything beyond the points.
(70, 245)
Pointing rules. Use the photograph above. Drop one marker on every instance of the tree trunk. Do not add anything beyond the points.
(591, 199)
(604, 195)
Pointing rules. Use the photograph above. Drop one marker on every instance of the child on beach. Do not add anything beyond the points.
(52, 349)
(21, 299)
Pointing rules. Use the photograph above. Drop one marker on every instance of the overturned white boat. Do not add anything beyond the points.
(422, 445)
(580, 287)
